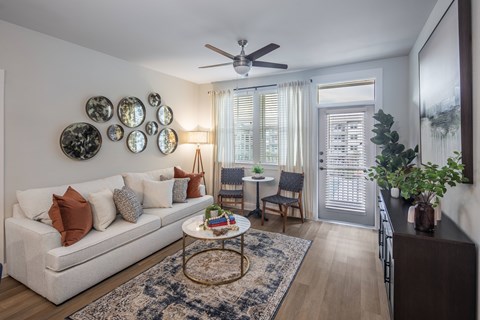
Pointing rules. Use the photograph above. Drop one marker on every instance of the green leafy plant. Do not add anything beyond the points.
(258, 169)
(429, 183)
(394, 159)
(213, 207)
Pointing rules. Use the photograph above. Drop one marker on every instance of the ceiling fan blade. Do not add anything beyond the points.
(269, 65)
(216, 65)
(226, 54)
(263, 51)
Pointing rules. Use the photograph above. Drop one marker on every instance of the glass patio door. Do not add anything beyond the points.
(344, 153)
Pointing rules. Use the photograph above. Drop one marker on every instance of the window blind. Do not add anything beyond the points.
(243, 123)
(345, 162)
(269, 128)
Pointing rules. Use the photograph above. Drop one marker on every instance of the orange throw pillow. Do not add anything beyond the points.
(71, 215)
(193, 189)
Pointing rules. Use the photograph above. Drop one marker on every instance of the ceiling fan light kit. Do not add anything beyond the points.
(242, 63)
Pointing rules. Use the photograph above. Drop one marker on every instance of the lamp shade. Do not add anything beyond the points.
(198, 137)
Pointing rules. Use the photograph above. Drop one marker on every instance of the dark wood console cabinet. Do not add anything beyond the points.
(427, 276)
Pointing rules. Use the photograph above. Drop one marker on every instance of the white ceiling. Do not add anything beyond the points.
(169, 35)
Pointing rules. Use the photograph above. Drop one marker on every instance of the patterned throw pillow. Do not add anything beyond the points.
(179, 189)
(127, 204)
(193, 190)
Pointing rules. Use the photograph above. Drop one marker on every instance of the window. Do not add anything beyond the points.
(243, 122)
(344, 92)
(256, 127)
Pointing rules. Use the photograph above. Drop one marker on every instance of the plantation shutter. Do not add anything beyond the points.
(243, 123)
(345, 162)
(269, 128)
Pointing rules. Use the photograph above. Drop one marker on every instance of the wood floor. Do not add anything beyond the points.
(340, 278)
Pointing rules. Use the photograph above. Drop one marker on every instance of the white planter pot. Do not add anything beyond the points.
(395, 192)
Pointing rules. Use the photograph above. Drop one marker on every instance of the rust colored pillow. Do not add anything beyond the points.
(71, 215)
(193, 189)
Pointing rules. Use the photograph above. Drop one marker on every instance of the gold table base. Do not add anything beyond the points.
(244, 261)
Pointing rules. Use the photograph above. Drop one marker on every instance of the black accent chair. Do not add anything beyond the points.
(231, 189)
(289, 182)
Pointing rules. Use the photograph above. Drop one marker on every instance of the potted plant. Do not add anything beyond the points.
(395, 180)
(257, 171)
(427, 185)
(212, 211)
(393, 157)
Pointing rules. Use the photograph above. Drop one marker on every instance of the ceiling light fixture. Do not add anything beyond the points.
(242, 65)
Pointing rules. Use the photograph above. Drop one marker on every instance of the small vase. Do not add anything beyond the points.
(395, 192)
(424, 217)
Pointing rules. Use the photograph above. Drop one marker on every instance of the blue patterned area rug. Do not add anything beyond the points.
(163, 291)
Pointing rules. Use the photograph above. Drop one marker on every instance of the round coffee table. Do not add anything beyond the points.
(192, 228)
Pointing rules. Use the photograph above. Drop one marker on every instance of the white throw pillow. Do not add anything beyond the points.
(157, 194)
(103, 209)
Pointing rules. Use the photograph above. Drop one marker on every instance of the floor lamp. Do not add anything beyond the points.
(198, 138)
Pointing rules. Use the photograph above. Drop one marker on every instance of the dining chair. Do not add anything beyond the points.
(231, 189)
(289, 182)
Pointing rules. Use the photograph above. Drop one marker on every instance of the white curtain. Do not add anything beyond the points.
(224, 150)
(294, 114)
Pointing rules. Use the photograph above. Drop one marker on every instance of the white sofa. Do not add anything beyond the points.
(36, 257)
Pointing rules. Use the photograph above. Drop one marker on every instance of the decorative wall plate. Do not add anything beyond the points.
(136, 141)
(167, 141)
(151, 128)
(154, 99)
(80, 141)
(99, 109)
(165, 115)
(131, 112)
(115, 132)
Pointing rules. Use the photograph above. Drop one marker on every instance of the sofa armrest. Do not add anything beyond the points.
(27, 243)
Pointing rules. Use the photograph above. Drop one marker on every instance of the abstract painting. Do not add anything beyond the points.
(445, 108)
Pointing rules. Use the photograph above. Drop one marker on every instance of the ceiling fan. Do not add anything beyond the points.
(242, 63)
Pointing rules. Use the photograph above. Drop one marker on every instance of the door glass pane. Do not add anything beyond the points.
(345, 162)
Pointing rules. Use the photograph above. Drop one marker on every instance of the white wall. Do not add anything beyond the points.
(460, 203)
(2, 161)
(47, 83)
(395, 100)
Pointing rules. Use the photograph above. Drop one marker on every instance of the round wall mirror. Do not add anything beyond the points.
(165, 115)
(115, 132)
(154, 99)
(136, 141)
(80, 141)
(167, 141)
(99, 109)
(131, 112)
(151, 128)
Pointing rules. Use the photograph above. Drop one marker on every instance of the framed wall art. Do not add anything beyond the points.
(445, 68)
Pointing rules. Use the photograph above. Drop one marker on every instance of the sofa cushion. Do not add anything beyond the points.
(103, 209)
(157, 194)
(134, 180)
(193, 190)
(35, 203)
(180, 187)
(96, 243)
(180, 210)
(71, 215)
(127, 204)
